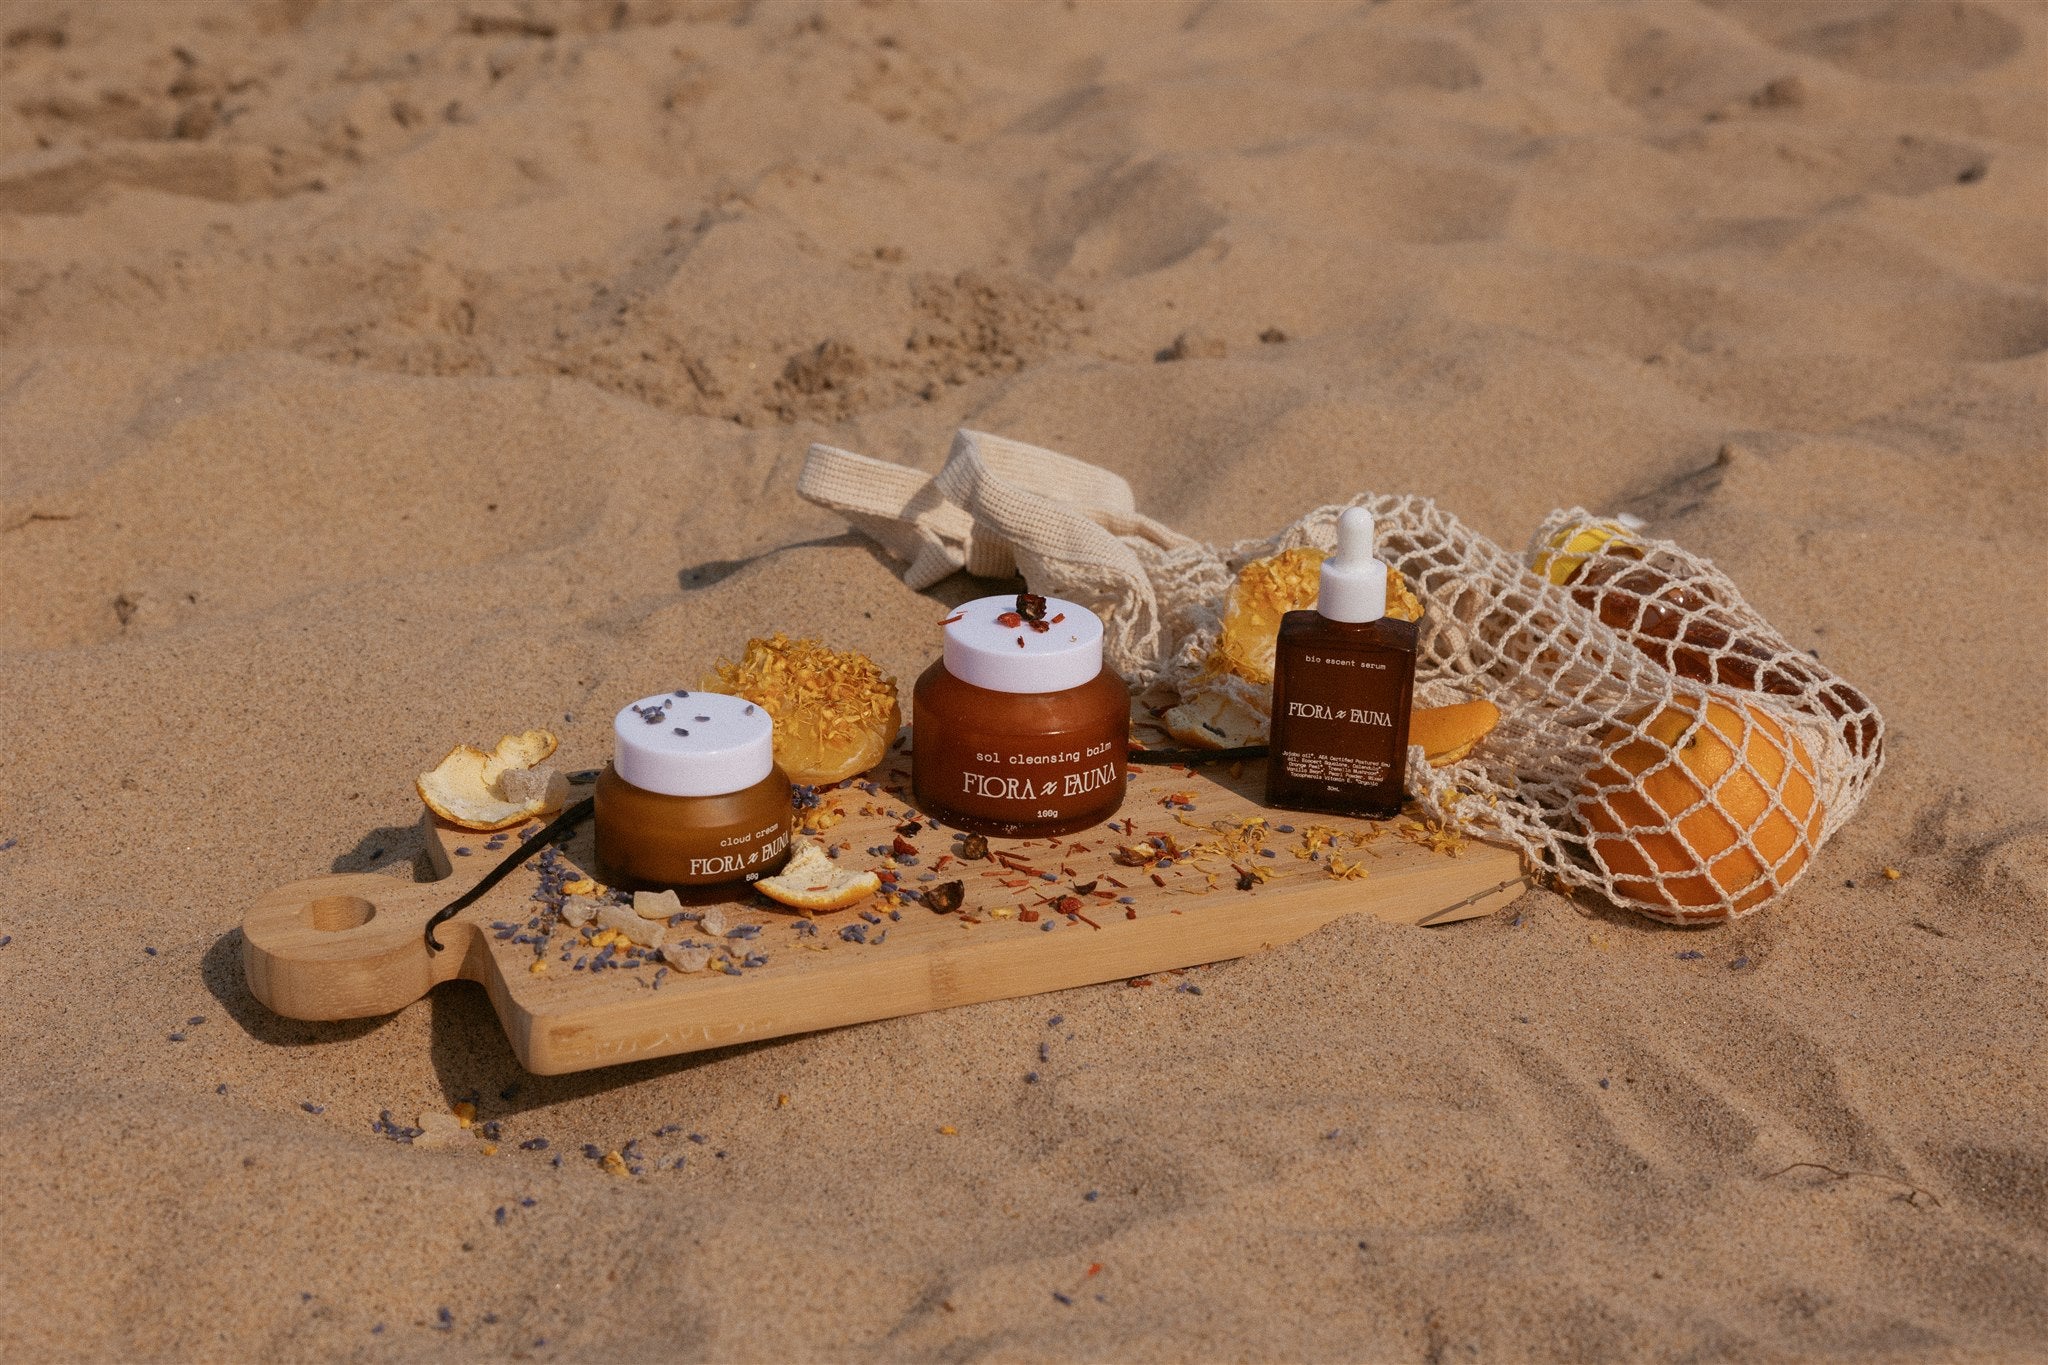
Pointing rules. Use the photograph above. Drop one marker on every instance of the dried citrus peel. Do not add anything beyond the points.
(811, 880)
(835, 712)
(1449, 733)
(482, 791)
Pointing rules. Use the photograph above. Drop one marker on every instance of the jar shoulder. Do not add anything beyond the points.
(616, 794)
(1301, 628)
(939, 694)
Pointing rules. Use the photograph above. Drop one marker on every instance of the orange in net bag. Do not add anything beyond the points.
(1659, 742)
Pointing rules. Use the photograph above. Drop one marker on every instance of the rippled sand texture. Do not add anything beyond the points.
(375, 377)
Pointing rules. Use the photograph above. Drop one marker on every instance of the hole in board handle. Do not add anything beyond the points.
(332, 914)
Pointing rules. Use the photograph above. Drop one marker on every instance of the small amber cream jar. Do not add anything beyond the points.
(1018, 730)
(692, 799)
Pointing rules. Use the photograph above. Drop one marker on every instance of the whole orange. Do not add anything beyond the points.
(1666, 812)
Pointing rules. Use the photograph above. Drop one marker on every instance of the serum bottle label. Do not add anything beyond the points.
(1339, 727)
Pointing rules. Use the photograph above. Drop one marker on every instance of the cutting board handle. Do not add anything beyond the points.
(351, 946)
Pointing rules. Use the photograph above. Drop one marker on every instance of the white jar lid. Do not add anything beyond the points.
(693, 743)
(981, 649)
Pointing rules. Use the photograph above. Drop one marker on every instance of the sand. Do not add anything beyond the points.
(376, 377)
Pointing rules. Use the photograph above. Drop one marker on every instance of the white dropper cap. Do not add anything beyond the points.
(693, 744)
(1354, 584)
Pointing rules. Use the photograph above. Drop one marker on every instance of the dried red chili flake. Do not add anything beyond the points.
(1068, 905)
(951, 619)
(1038, 627)
(940, 865)
(1027, 917)
(1061, 617)
(1009, 620)
(1131, 912)
(1085, 920)
(944, 898)
(902, 845)
(1158, 880)
(1030, 606)
(973, 847)
(1020, 642)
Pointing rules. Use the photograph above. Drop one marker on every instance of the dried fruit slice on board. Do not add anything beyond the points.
(812, 881)
(469, 787)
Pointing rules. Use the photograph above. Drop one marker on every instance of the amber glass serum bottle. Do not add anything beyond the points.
(1343, 678)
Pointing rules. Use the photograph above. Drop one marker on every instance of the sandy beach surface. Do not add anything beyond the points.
(380, 376)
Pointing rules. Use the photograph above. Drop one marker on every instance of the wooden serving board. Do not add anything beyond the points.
(350, 946)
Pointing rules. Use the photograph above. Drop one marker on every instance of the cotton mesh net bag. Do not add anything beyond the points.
(1658, 741)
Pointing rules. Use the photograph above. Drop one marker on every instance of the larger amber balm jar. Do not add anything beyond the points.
(1018, 730)
(692, 800)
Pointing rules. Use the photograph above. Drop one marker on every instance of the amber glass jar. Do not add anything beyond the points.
(1018, 730)
(692, 800)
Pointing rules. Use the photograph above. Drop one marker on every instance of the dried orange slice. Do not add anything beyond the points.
(1267, 589)
(835, 712)
(468, 788)
(812, 881)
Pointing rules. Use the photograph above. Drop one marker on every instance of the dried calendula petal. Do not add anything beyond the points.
(467, 787)
(835, 712)
(811, 880)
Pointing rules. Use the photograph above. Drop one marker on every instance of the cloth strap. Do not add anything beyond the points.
(999, 508)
